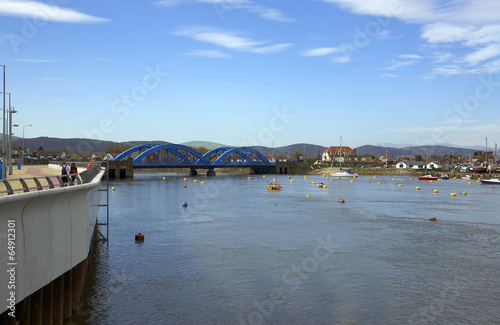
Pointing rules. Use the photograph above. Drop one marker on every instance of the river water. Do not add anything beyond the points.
(240, 254)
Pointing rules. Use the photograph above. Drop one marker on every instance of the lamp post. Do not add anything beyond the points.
(12, 110)
(23, 141)
(3, 124)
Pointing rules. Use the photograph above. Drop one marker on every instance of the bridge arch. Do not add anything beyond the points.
(214, 152)
(130, 151)
(242, 152)
(174, 149)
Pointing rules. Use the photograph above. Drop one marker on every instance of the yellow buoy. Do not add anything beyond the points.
(411, 178)
(194, 180)
(185, 179)
(352, 181)
(464, 193)
(436, 191)
(368, 178)
(202, 182)
(439, 179)
(478, 180)
(453, 194)
(249, 177)
(274, 180)
(375, 176)
(392, 179)
(324, 175)
(379, 183)
(431, 181)
(341, 201)
(164, 177)
(400, 185)
(331, 179)
(454, 178)
(313, 183)
(113, 188)
(417, 188)
(324, 186)
(291, 181)
(264, 176)
(470, 182)
(308, 196)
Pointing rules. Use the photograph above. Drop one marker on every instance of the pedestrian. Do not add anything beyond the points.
(73, 171)
(64, 172)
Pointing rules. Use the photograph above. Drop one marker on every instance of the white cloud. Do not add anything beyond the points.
(452, 25)
(321, 51)
(490, 67)
(446, 71)
(440, 57)
(401, 64)
(38, 10)
(389, 75)
(228, 40)
(214, 54)
(225, 6)
(427, 11)
(483, 54)
(410, 56)
(341, 59)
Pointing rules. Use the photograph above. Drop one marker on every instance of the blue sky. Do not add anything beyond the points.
(255, 72)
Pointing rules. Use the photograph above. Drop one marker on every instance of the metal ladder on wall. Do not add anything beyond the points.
(101, 237)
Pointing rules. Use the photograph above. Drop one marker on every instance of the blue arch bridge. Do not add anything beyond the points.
(179, 156)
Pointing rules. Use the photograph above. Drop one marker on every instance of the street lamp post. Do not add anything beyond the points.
(9, 157)
(23, 141)
(3, 123)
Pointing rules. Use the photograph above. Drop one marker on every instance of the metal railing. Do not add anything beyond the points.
(28, 184)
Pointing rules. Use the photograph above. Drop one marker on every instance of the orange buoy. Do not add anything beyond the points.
(184, 185)
(89, 165)
(433, 219)
(341, 201)
(139, 236)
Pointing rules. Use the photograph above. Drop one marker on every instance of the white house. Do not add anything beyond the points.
(411, 164)
(433, 165)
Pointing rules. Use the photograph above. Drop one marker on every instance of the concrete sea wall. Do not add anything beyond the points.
(45, 235)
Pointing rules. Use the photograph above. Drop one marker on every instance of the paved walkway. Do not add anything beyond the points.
(28, 172)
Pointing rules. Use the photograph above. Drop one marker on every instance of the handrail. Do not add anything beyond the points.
(47, 182)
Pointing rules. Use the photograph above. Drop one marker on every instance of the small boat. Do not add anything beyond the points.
(344, 173)
(427, 178)
(466, 177)
(273, 186)
(445, 176)
(320, 185)
(490, 181)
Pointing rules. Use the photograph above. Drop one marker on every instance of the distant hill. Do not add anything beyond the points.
(205, 144)
(311, 150)
(424, 151)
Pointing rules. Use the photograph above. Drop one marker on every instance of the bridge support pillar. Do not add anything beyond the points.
(193, 172)
(211, 172)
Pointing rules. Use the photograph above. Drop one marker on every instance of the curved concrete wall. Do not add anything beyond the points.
(53, 230)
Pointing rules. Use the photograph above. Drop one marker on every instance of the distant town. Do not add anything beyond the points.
(418, 157)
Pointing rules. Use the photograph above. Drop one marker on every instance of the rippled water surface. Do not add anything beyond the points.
(240, 254)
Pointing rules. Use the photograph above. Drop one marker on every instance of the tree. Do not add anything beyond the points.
(419, 158)
(297, 154)
(40, 148)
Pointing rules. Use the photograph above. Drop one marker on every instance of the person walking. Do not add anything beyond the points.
(73, 171)
(64, 172)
